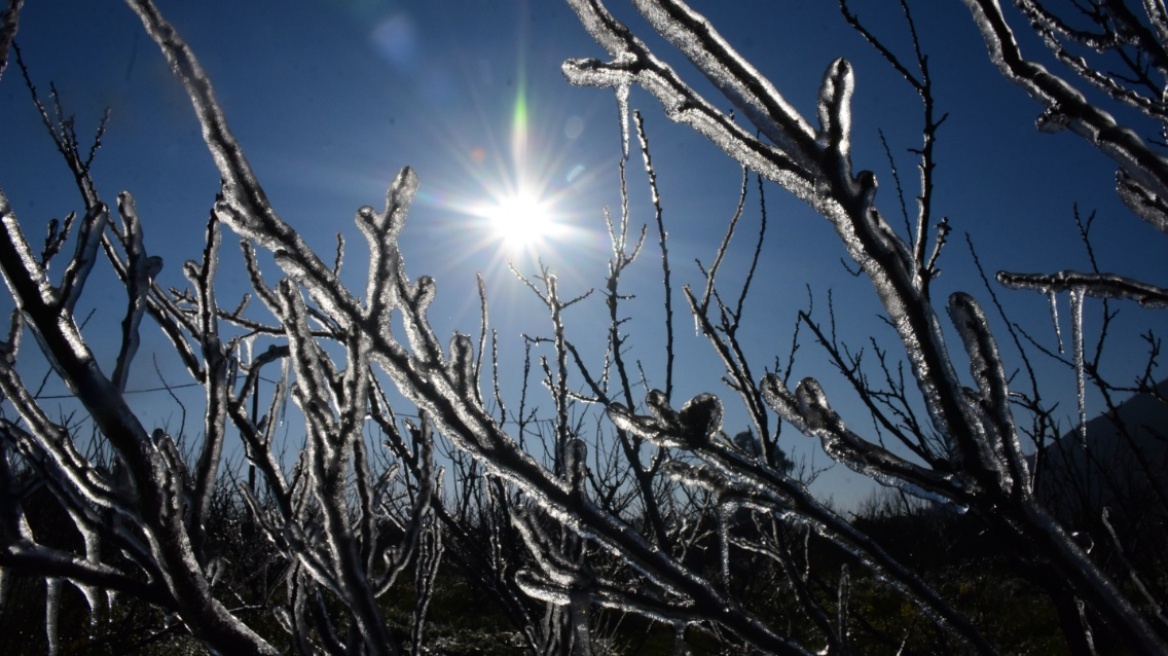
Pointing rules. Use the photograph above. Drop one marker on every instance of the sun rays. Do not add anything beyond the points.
(522, 180)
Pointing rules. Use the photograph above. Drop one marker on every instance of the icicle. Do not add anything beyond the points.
(725, 514)
(52, 602)
(844, 592)
(622, 107)
(579, 608)
(1088, 634)
(1058, 331)
(1080, 377)
(248, 344)
(679, 639)
(284, 384)
(93, 555)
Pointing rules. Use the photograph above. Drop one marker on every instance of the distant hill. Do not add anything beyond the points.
(1124, 467)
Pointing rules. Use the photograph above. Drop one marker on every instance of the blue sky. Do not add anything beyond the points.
(329, 98)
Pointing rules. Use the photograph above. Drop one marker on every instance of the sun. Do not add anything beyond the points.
(520, 219)
(517, 200)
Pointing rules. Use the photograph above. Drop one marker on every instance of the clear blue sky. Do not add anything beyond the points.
(329, 98)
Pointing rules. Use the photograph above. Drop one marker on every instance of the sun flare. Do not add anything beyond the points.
(521, 219)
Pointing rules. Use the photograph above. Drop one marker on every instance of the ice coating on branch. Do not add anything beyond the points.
(422, 339)
(34, 274)
(1143, 177)
(653, 577)
(835, 115)
(537, 588)
(809, 406)
(1147, 205)
(843, 600)
(720, 482)
(575, 462)
(750, 91)
(1052, 120)
(658, 405)
(701, 418)
(462, 363)
(246, 350)
(587, 72)
(783, 402)
(999, 449)
(423, 294)
(92, 541)
(381, 230)
(752, 94)
(1099, 285)
(662, 426)
(822, 421)
(558, 569)
(76, 274)
(698, 421)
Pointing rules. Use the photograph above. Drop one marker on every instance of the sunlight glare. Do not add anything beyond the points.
(520, 220)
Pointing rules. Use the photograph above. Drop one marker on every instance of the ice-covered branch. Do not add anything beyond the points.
(845, 200)
(381, 230)
(1142, 168)
(776, 492)
(1099, 285)
(633, 62)
(808, 410)
(9, 19)
(643, 521)
(982, 466)
(244, 205)
(1000, 449)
